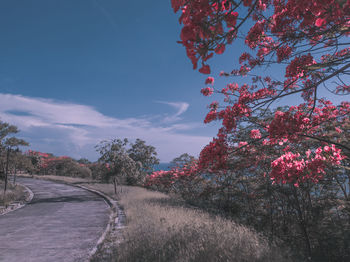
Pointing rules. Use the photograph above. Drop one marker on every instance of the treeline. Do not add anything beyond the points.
(48, 164)
(120, 161)
(311, 218)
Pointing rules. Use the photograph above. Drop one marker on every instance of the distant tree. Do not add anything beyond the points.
(18, 161)
(66, 166)
(182, 160)
(113, 154)
(100, 171)
(5, 130)
(129, 163)
(145, 155)
(36, 159)
(84, 161)
(22, 163)
(8, 143)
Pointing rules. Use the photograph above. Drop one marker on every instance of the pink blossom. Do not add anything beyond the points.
(209, 80)
(320, 22)
(255, 134)
(242, 144)
(338, 130)
(207, 91)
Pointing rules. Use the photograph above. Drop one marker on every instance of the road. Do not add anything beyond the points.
(62, 223)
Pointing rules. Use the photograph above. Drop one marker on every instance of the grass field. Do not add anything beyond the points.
(162, 228)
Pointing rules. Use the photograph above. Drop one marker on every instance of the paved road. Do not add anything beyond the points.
(62, 223)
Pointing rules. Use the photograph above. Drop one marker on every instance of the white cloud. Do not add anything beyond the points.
(72, 129)
(181, 108)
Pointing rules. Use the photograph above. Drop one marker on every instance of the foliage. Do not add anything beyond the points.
(127, 163)
(146, 155)
(313, 218)
(48, 164)
(306, 38)
(284, 171)
(100, 171)
(287, 169)
(181, 160)
(8, 142)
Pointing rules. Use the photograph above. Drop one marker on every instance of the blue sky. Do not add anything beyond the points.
(73, 73)
(115, 60)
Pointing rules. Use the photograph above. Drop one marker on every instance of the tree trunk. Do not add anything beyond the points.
(14, 176)
(302, 225)
(7, 169)
(115, 185)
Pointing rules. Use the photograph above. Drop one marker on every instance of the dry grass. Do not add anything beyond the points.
(14, 193)
(160, 228)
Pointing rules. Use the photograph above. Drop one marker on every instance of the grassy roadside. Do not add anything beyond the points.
(14, 194)
(161, 228)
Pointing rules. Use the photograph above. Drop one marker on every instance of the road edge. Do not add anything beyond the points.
(116, 216)
(112, 217)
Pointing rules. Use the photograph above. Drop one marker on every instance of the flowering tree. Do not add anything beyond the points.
(182, 178)
(306, 39)
(285, 168)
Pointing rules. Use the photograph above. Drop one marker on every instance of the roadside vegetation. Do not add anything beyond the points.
(160, 227)
(194, 214)
(11, 160)
(312, 217)
(14, 194)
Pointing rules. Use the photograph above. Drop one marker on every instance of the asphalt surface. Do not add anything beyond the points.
(62, 223)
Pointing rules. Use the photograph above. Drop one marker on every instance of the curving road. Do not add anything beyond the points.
(62, 223)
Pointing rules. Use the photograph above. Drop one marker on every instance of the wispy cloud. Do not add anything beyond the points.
(181, 107)
(73, 129)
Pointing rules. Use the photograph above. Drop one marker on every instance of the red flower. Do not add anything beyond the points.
(209, 80)
(207, 91)
(220, 49)
(205, 69)
(320, 22)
